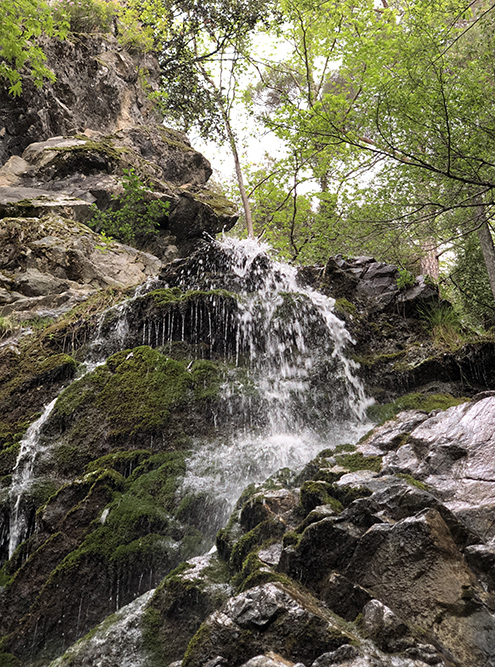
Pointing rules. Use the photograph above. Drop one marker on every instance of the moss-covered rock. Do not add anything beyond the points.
(139, 397)
(107, 544)
(414, 401)
(276, 617)
(314, 493)
(180, 604)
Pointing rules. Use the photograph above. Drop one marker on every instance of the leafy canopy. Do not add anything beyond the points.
(22, 23)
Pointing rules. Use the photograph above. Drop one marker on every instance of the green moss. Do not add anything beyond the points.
(314, 493)
(259, 577)
(139, 531)
(25, 385)
(220, 204)
(80, 154)
(356, 461)
(201, 637)
(8, 458)
(292, 538)
(137, 391)
(263, 531)
(150, 628)
(413, 481)
(348, 494)
(227, 537)
(174, 295)
(345, 307)
(344, 448)
(8, 660)
(414, 401)
(124, 462)
(5, 578)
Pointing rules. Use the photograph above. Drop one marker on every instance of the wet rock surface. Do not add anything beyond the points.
(379, 554)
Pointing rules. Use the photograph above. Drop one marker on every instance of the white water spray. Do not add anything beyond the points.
(295, 346)
(22, 477)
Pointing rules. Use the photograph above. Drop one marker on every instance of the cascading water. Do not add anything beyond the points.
(291, 391)
(307, 394)
(22, 477)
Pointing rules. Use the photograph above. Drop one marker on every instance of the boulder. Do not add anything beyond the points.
(272, 617)
(453, 452)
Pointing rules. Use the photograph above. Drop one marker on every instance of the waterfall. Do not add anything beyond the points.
(290, 391)
(305, 386)
(22, 476)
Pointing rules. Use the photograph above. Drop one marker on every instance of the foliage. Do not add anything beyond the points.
(471, 288)
(132, 213)
(108, 16)
(405, 279)
(22, 23)
(445, 324)
(285, 213)
(402, 91)
(87, 15)
(199, 35)
(7, 326)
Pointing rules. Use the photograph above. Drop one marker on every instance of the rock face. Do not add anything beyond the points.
(379, 554)
(49, 265)
(65, 150)
(97, 87)
(393, 327)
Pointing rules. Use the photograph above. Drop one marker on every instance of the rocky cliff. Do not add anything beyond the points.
(191, 469)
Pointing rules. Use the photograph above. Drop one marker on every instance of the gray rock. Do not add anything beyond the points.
(96, 87)
(418, 296)
(342, 654)
(389, 435)
(343, 597)
(415, 568)
(259, 621)
(454, 453)
(270, 660)
(380, 623)
(118, 643)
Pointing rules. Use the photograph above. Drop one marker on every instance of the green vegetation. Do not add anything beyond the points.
(86, 16)
(357, 461)
(7, 326)
(314, 493)
(405, 279)
(414, 401)
(412, 481)
(445, 325)
(268, 529)
(137, 391)
(21, 24)
(133, 213)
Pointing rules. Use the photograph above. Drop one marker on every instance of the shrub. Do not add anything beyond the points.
(405, 279)
(87, 15)
(132, 214)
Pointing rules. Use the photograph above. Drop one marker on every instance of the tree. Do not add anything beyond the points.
(414, 90)
(291, 87)
(22, 23)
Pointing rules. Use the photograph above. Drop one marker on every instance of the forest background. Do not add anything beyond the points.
(381, 116)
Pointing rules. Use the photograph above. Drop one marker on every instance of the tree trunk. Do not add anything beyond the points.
(428, 263)
(238, 172)
(233, 148)
(487, 246)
